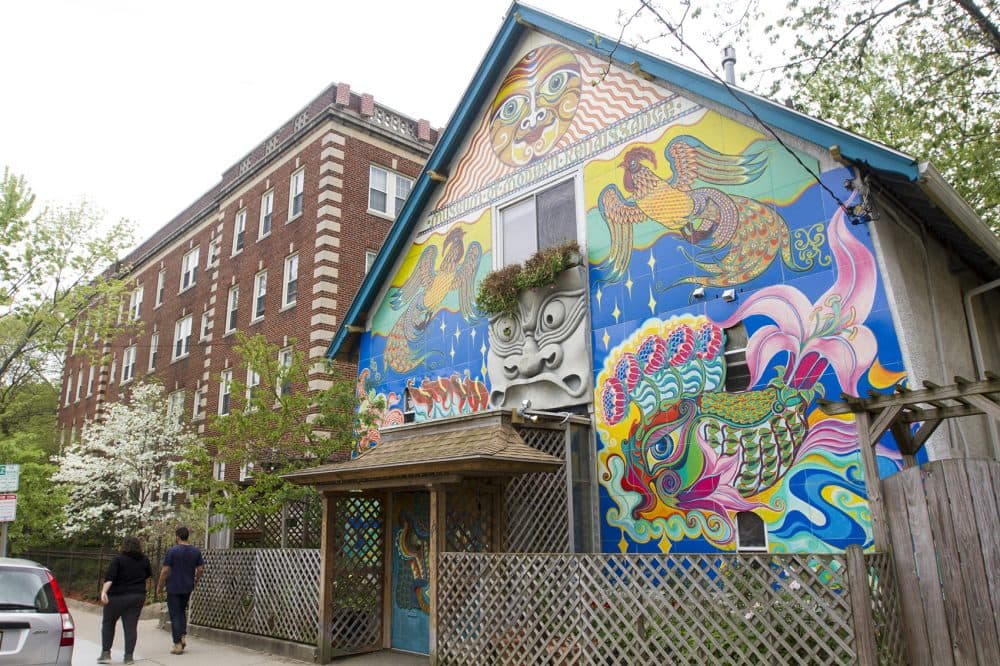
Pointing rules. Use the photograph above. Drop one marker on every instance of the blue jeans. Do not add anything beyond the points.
(177, 606)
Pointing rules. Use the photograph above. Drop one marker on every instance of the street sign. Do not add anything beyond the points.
(9, 478)
(8, 507)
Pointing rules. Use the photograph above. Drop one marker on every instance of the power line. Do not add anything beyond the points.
(676, 33)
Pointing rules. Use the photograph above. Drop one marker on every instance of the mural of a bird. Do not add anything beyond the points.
(737, 237)
(424, 292)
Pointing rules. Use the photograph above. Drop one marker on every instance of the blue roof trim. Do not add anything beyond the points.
(852, 147)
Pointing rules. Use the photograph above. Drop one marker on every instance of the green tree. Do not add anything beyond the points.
(275, 426)
(917, 75)
(57, 269)
(39, 502)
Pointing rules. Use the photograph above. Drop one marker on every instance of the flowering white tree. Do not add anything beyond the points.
(119, 473)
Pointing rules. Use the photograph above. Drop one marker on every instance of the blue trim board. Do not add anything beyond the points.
(853, 147)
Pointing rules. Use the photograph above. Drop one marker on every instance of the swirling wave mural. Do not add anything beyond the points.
(681, 456)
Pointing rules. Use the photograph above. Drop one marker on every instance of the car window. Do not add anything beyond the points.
(26, 587)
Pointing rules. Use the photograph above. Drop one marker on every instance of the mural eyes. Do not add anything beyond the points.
(505, 329)
(511, 109)
(553, 315)
(555, 84)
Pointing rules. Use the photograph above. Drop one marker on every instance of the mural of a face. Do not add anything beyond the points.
(535, 104)
(541, 354)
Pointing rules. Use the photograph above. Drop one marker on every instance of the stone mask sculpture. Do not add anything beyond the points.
(542, 352)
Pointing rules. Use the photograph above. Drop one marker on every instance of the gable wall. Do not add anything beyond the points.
(678, 456)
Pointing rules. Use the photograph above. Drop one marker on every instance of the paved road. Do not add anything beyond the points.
(153, 647)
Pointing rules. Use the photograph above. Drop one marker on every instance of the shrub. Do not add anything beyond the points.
(499, 290)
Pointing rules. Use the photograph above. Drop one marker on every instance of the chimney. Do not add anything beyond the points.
(729, 64)
(424, 130)
(367, 105)
(343, 94)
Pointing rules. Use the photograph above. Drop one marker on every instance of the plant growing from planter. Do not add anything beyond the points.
(499, 290)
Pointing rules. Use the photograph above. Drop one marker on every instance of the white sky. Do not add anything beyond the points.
(139, 107)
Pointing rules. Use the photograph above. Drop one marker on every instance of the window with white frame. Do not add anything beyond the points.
(239, 230)
(90, 381)
(266, 214)
(69, 390)
(182, 337)
(246, 471)
(175, 406)
(189, 269)
(295, 191)
(387, 191)
(225, 384)
(213, 253)
(114, 369)
(79, 384)
(135, 304)
(253, 382)
(128, 364)
(76, 335)
(232, 308)
(259, 292)
(219, 470)
(370, 259)
(285, 357)
(206, 323)
(290, 288)
(196, 411)
(167, 484)
(154, 347)
(543, 219)
(161, 281)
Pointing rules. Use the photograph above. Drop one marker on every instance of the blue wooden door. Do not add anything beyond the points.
(410, 572)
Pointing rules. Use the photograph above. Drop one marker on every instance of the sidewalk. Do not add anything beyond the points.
(153, 647)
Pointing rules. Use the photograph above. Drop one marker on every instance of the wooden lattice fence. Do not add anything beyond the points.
(358, 525)
(268, 592)
(537, 504)
(635, 609)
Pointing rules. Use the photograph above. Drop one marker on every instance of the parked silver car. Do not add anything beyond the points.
(35, 625)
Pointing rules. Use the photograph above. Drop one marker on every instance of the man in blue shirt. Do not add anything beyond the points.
(182, 569)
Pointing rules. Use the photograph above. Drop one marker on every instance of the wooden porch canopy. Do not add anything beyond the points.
(898, 411)
(433, 453)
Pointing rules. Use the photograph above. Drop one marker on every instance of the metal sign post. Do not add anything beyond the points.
(10, 476)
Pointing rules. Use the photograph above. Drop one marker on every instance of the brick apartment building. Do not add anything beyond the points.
(279, 247)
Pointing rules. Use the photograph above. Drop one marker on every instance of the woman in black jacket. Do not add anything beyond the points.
(123, 596)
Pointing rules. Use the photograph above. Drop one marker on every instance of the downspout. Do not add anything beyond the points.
(977, 354)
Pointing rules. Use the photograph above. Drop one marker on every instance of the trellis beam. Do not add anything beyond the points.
(928, 395)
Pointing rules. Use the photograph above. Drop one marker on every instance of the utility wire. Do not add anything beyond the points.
(676, 33)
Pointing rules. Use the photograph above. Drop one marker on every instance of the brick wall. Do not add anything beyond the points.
(331, 236)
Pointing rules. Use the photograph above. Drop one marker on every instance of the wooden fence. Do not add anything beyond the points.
(944, 520)
(268, 592)
(632, 609)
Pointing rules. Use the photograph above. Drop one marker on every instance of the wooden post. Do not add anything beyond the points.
(437, 519)
(873, 484)
(387, 555)
(861, 607)
(327, 554)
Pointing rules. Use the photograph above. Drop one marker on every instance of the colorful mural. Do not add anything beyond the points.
(454, 395)
(681, 456)
(736, 237)
(696, 226)
(422, 296)
(535, 104)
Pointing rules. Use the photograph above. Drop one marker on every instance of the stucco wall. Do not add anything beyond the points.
(926, 283)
